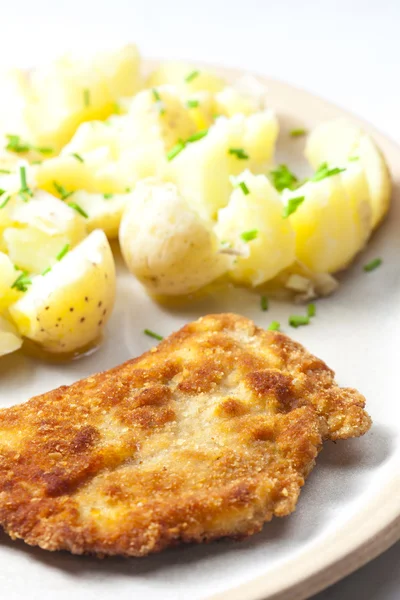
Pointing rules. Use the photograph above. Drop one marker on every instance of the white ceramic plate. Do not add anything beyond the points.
(349, 510)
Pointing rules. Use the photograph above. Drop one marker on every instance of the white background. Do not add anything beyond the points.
(347, 51)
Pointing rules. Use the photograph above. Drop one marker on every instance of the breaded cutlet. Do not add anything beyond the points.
(208, 435)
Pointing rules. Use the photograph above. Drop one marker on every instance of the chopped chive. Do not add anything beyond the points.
(86, 97)
(244, 188)
(16, 145)
(192, 76)
(23, 194)
(107, 196)
(43, 150)
(264, 303)
(156, 95)
(46, 271)
(197, 136)
(5, 202)
(192, 103)
(36, 162)
(64, 194)
(298, 320)
(239, 153)
(152, 334)
(78, 209)
(283, 178)
(324, 171)
(78, 157)
(248, 236)
(5, 171)
(22, 175)
(22, 282)
(292, 205)
(298, 132)
(128, 190)
(373, 264)
(175, 150)
(311, 310)
(274, 326)
(63, 252)
(2, 192)
(353, 158)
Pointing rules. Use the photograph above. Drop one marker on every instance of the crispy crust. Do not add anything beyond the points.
(208, 435)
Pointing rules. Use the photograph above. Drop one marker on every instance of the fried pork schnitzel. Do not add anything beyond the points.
(208, 435)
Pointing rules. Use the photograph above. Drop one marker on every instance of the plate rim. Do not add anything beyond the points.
(311, 573)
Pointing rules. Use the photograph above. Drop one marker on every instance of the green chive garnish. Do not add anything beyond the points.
(248, 236)
(192, 103)
(46, 271)
(298, 132)
(78, 157)
(197, 136)
(373, 264)
(175, 150)
(156, 95)
(239, 153)
(5, 171)
(244, 188)
(78, 209)
(43, 150)
(353, 158)
(152, 334)
(274, 326)
(63, 252)
(64, 194)
(192, 76)
(283, 178)
(16, 145)
(311, 310)
(264, 303)
(22, 282)
(107, 196)
(5, 202)
(22, 175)
(292, 205)
(298, 320)
(324, 171)
(86, 97)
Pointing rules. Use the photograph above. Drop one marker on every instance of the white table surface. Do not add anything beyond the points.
(347, 51)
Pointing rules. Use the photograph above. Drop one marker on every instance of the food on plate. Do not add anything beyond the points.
(103, 211)
(332, 219)
(209, 435)
(42, 108)
(10, 340)
(253, 224)
(166, 244)
(339, 142)
(66, 307)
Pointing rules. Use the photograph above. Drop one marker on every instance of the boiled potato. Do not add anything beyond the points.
(333, 221)
(202, 169)
(253, 225)
(67, 308)
(187, 78)
(338, 141)
(230, 101)
(165, 244)
(10, 340)
(49, 104)
(8, 274)
(104, 211)
(39, 229)
(110, 158)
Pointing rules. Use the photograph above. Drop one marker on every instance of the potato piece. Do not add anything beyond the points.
(50, 103)
(10, 340)
(187, 78)
(330, 225)
(201, 171)
(39, 229)
(229, 102)
(338, 141)
(165, 244)
(104, 210)
(8, 275)
(252, 224)
(129, 148)
(67, 308)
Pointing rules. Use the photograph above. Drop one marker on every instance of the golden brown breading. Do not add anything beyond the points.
(208, 435)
